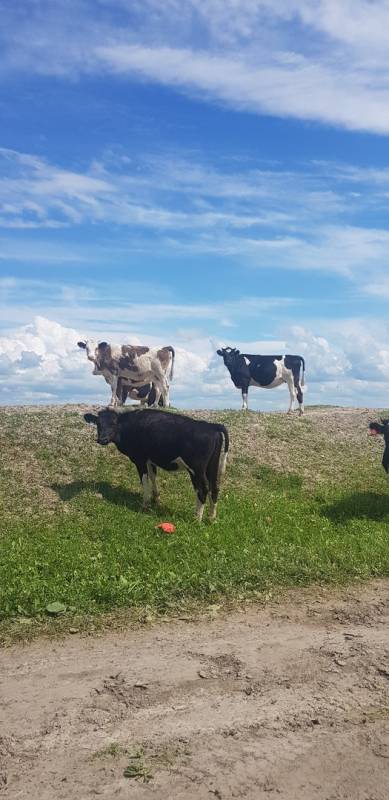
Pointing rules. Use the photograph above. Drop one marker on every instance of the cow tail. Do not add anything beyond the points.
(224, 447)
(171, 349)
(302, 383)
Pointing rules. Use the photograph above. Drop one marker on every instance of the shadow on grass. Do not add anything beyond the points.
(270, 478)
(360, 505)
(113, 494)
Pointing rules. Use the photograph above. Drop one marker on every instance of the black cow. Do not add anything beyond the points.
(265, 371)
(153, 438)
(382, 429)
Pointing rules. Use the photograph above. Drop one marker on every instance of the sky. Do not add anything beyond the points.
(195, 173)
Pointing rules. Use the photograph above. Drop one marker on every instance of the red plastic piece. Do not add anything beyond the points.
(166, 527)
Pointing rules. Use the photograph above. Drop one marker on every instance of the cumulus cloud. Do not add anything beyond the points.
(40, 363)
(327, 362)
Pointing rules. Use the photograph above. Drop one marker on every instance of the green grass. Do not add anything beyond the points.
(303, 501)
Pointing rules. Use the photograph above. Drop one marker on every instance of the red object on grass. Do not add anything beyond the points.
(167, 527)
(373, 432)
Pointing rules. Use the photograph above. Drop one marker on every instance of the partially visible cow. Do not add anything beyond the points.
(265, 371)
(382, 429)
(132, 366)
(145, 394)
(154, 438)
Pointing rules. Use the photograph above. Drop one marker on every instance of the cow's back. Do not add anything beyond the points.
(150, 432)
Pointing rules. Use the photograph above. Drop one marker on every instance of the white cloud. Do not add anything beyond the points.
(298, 87)
(326, 362)
(40, 362)
(98, 309)
(321, 60)
(378, 288)
(271, 217)
(36, 194)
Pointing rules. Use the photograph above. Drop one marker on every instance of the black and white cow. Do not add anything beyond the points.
(265, 371)
(382, 429)
(145, 394)
(153, 438)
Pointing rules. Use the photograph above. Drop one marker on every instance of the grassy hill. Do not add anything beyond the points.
(304, 500)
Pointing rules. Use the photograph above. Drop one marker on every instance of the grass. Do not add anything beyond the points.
(140, 762)
(304, 500)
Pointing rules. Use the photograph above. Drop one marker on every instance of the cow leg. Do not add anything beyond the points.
(144, 479)
(165, 392)
(122, 392)
(163, 384)
(215, 470)
(157, 394)
(114, 390)
(300, 398)
(200, 485)
(297, 390)
(151, 396)
(245, 391)
(292, 394)
(152, 474)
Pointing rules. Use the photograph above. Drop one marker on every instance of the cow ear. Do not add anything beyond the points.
(91, 418)
(82, 344)
(219, 352)
(102, 345)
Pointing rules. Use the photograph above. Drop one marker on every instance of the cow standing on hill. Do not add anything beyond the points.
(130, 369)
(154, 438)
(265, 371)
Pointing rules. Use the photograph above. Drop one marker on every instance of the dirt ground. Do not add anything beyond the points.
(289, 700)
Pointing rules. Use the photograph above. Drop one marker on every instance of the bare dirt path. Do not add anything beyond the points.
(288, 701)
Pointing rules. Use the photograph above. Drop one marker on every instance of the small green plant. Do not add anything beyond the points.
(112, 750)
(136, 768)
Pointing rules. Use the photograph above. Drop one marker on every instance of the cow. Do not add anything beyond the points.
(382, 429)
(152, 438)
(145, 394)
(265, 371)
(132, 366)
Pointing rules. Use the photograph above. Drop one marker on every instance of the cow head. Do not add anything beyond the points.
(382, 429)
(96, 352)
(229, 355)
(90, 347)
(107, 422)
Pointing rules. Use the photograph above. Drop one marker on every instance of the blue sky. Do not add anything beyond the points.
(195, 173)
